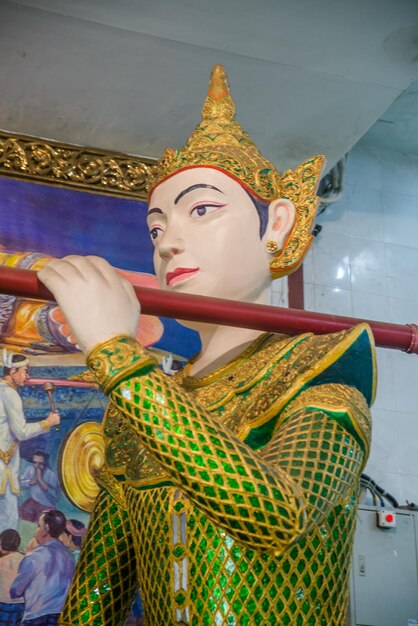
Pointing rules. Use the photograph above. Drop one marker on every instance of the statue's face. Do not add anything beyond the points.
(205, 230)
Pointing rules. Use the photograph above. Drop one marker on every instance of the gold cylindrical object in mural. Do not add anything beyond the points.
(81, 457)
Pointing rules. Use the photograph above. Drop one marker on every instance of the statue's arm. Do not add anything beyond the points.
(322, 442)
(105, 581)
(252, 495)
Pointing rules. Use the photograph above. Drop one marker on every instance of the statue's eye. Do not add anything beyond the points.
(154, 232)
(204, 209)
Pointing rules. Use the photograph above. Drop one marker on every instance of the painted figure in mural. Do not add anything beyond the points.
(11, 611)
(13, 429)
(44, 488)
(44, 574)
(229, 490)
(73, 536)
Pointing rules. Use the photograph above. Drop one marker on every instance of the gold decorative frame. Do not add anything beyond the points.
(78, 167)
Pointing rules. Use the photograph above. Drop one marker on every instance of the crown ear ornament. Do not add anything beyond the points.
(219, 142)
(299, 187)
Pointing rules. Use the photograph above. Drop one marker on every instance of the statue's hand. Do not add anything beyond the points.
(97, 303)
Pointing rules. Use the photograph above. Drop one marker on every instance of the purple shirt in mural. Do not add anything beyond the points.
(43, 579)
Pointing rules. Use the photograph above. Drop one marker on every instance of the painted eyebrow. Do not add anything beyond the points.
(183, 193)
(193, 187)
(156, 210)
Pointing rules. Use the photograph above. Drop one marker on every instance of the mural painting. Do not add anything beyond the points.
(38, 222)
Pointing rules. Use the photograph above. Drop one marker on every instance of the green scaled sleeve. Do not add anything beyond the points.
(104, 584)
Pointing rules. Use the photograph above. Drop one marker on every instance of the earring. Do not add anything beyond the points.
(272, 246)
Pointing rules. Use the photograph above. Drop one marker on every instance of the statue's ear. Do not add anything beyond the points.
(282, 216)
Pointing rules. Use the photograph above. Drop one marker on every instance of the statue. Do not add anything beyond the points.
(229, 490)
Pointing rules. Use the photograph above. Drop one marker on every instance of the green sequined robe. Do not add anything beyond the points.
(228, 499)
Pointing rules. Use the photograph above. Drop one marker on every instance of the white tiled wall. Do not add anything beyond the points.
(364, 264)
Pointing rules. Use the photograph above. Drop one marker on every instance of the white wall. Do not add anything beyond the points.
(364, 264)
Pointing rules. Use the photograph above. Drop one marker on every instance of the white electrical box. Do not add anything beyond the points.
(384, 572)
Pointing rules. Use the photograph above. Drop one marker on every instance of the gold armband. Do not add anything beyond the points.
(45, 425)
(117, 359)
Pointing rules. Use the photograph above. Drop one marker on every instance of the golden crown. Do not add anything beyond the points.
(220, 142)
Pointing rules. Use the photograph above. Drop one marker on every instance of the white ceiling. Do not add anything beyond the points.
(397, 127)
(308, 76)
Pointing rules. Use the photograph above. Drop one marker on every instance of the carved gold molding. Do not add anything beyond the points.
(65, 165)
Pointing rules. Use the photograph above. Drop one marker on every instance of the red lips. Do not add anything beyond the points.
(179, 274)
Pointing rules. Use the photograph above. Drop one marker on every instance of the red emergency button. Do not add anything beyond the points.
(386, 518)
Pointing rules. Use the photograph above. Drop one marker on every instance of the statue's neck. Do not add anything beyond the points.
(220, 346)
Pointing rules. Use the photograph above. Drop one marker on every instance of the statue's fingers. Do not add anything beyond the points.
(86, 268)
(106, 270)
(69, 268)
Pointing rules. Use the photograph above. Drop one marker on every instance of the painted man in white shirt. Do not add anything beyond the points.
(13, 429)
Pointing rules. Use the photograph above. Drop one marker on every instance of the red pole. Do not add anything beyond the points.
(25, 284)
